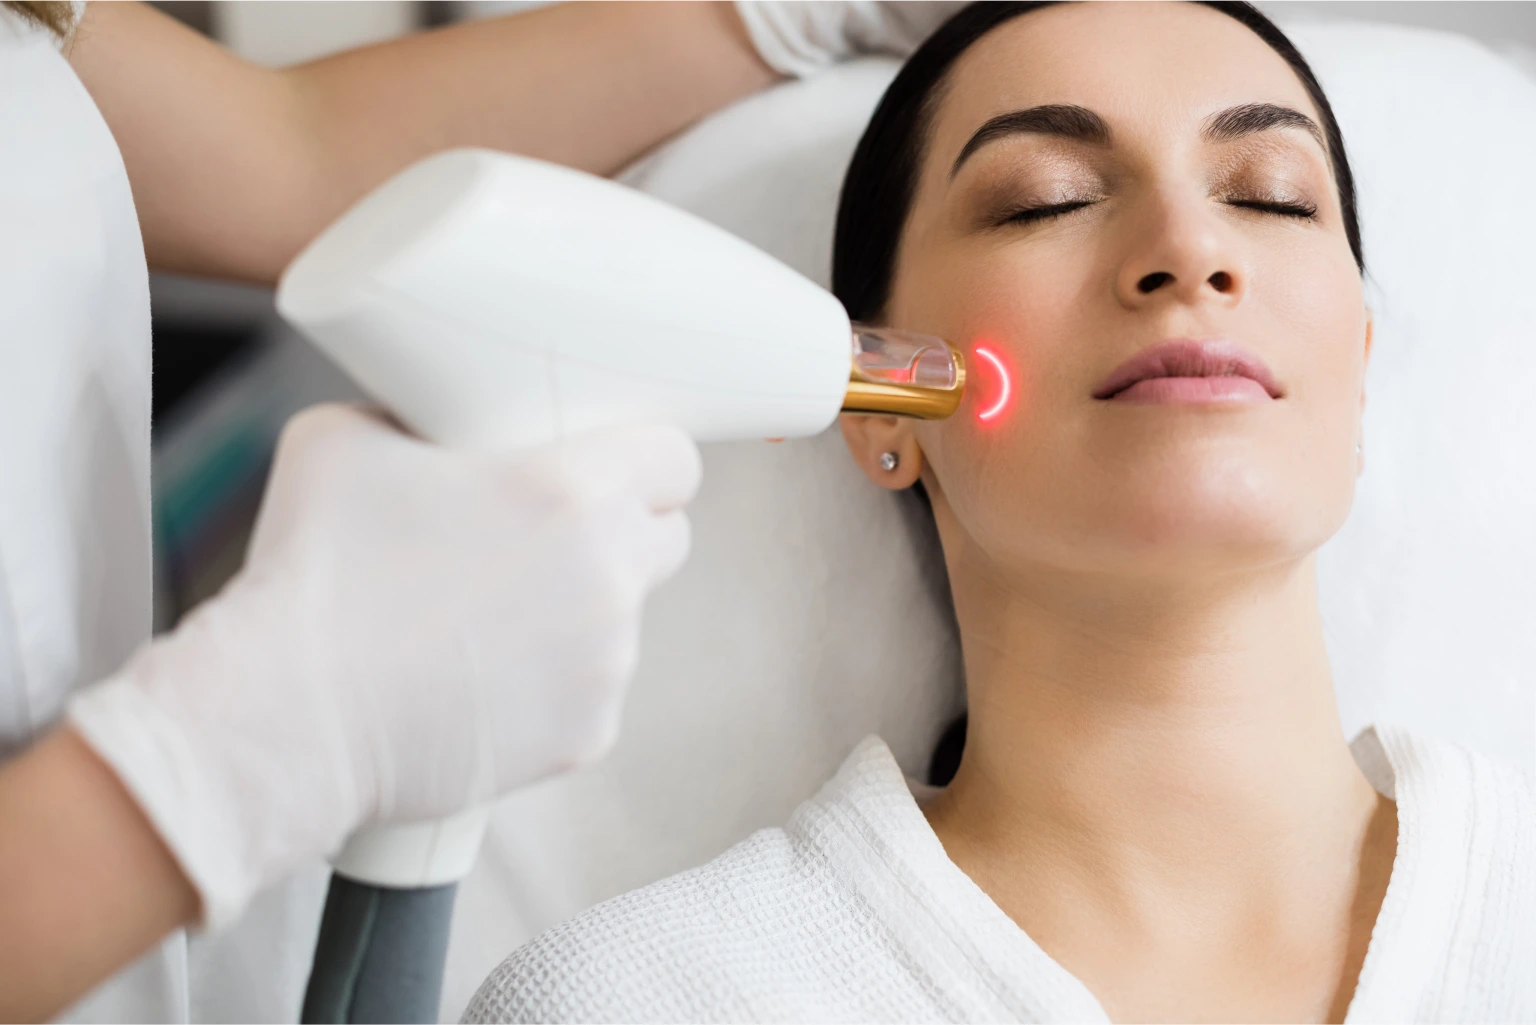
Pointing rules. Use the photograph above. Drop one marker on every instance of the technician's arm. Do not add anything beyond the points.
(85, 881)
(234, 167)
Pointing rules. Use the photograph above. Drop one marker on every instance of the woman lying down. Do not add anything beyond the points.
(1145, 213)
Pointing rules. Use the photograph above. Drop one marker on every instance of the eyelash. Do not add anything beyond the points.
(1034, 214)
(1300, 211)
(1030, 215)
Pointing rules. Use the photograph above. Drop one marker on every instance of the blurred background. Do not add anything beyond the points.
(227, 373)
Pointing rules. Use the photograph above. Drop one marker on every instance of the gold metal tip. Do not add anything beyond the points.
(866, 395)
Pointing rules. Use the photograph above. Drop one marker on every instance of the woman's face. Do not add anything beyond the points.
(1155, 203)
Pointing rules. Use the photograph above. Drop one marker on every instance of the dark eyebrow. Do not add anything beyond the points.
(1063, 120)
(1248, 118)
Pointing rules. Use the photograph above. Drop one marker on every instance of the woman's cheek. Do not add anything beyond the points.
(989, 436)
(1008, 335)
(1010, 312)
(1319, 309)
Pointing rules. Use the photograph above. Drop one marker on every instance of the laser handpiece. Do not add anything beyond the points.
(903, 373)
(498, 301)
(493, 301)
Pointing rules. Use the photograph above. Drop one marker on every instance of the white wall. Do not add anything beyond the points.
(279, 32)
(1505, 26)
(1495, 23)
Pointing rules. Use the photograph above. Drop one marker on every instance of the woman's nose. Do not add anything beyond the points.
(1184, 254)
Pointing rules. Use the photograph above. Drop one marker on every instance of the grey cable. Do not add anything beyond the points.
(380, 954)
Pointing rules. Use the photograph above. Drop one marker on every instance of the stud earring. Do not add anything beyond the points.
(1357, 448)
(889, 461)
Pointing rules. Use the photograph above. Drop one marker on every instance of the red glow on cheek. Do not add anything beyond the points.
(996, 399)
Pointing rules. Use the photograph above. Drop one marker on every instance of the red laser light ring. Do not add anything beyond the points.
(1005, 391)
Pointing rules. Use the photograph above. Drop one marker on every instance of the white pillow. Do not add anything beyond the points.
(812, 613)
(1429, 591)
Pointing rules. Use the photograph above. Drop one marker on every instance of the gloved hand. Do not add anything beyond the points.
(415, 632)
(801, 38)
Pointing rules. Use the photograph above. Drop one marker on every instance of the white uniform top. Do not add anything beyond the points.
(74, 428)
(853, 912)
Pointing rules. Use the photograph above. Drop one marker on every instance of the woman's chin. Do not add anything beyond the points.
(1188, 528)
(1194, 532)
(1181, 509)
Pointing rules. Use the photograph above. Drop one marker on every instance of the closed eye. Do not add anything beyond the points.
(1300, 211)
(1041, 213)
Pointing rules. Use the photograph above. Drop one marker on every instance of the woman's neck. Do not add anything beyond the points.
(1162, 761)
(1172, 703)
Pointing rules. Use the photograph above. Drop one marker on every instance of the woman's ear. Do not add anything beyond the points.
(884, 448)
(1370, 336)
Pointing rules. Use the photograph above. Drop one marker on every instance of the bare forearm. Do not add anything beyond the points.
(85, 883)
(235, 167)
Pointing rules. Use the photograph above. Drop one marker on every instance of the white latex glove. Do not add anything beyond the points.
(415, 632)
(801, 38)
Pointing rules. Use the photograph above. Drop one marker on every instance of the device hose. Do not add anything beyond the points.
(380, 954)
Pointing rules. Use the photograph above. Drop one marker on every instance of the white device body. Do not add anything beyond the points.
(495, 301)
(492, 300)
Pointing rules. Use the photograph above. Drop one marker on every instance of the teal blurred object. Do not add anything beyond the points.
(228, 374)
(204, 513)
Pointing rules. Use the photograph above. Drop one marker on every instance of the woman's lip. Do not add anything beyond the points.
(1191, 391)
(1213, 371)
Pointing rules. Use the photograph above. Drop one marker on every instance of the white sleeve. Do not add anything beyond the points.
(799, 38)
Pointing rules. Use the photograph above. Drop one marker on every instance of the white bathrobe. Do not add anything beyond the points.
(853, 912)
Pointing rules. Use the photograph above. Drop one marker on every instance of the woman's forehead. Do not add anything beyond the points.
(1142, 67)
